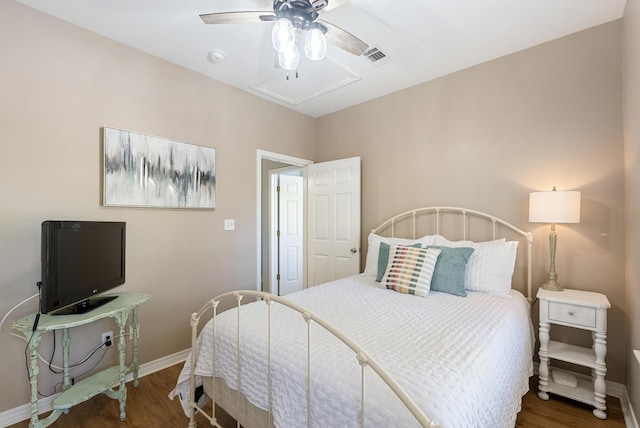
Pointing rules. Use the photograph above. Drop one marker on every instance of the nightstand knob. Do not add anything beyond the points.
(571, 313)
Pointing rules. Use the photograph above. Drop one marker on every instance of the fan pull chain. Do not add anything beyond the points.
(296, 75)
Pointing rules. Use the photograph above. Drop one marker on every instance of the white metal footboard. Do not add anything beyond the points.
(363, 358)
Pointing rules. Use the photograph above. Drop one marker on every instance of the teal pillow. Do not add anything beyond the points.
(383, 258)
(448, 275)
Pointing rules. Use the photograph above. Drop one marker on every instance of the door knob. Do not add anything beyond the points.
(354, 250)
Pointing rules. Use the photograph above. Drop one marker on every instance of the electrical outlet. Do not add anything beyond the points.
(107, 338)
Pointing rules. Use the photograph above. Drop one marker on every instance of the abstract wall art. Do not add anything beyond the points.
(145, 171)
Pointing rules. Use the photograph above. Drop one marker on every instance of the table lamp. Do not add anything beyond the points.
(554, 207)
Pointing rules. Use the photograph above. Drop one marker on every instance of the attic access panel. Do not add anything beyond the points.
(314, 78)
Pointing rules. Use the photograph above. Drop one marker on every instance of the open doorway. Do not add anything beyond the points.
(266, 162)
(286, 231)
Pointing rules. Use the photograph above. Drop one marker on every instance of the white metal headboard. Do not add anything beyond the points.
(411, 225)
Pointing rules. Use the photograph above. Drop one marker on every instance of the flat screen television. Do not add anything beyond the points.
(80, 260)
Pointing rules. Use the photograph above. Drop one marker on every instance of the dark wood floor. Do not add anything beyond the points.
(560, 412)
(148, 406)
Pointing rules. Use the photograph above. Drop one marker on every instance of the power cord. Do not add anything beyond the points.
(9, 313)
(84, 360)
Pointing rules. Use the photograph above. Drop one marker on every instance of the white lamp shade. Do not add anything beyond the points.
(283, 35)
(289, 59)
(554, 207)
(315, 45)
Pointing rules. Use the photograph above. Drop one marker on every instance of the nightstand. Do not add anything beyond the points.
(583, 310)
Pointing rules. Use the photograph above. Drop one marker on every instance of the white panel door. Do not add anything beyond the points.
(333, 243)
(291, 234)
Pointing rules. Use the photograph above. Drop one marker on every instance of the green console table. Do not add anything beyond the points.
(100, 383)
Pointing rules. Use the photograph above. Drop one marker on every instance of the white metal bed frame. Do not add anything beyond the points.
(363, 358)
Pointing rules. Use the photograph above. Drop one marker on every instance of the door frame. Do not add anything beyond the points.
(277, 157)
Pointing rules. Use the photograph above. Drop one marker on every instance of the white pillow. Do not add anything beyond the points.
(410, 269)
(491, 265)
(371, 263)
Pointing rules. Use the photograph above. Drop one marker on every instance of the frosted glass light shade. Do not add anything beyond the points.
(289, 59)
(315, 45)
(554, 207)
(283, 35)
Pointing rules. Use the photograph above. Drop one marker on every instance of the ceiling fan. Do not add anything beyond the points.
(292, 18)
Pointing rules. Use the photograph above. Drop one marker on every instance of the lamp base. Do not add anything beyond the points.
(552, 285)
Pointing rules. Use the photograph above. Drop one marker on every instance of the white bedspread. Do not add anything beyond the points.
(465, 361)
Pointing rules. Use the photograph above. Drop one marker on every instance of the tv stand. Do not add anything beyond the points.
(99, 383)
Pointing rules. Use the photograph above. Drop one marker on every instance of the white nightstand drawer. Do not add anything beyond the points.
(572, 314)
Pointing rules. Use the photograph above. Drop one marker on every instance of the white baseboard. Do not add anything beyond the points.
(23, 412)
(161, 363)
(630, 420)
(616, 390)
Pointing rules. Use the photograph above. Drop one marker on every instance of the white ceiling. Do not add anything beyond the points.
(423, 39)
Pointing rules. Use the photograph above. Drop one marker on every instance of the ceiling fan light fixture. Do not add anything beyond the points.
(315, 44)
(289, 59)
(283, 35)
(289, 19)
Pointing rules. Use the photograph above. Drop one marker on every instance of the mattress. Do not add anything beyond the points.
(465, 361)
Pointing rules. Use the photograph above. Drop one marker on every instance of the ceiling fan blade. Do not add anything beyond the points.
(343, 39)
(238, 17)
(333, 4)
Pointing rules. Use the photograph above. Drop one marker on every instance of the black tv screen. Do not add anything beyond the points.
(80, 259)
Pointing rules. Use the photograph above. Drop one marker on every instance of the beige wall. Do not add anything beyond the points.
(487, 136)
(60, 85)
(631, 79)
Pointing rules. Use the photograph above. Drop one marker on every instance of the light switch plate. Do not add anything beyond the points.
(229, 224)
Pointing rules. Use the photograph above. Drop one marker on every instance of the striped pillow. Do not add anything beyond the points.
(410, 269)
